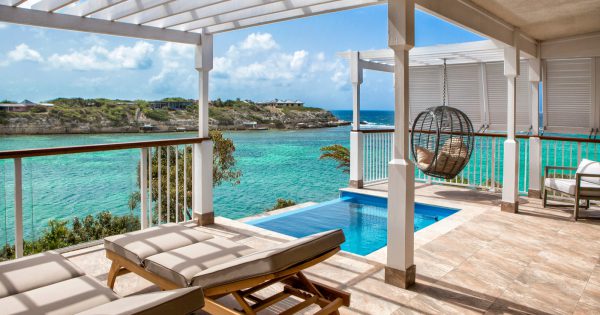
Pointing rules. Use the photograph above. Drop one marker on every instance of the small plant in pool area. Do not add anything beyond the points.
(282, 203)
(338, 153)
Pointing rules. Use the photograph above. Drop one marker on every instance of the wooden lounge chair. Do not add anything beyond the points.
(48, 283)
(585, 185)
(175, 256)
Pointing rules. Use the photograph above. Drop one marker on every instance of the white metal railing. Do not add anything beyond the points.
(485, 167)
(161, 163)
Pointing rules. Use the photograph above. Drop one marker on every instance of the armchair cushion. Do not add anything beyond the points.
(589, 167)
(567, 186)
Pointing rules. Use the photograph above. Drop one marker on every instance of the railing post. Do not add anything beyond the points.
(144, 188)
(356, 159)
(18, 208)
(202, 196)
(578, 152)
(493, 165)
(535, 168)
(535, 144)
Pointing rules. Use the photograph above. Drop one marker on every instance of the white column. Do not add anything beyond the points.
(356, 137)
(400, 269)
(18, 208)
(202, 187)
(535, 144)
(510, 187)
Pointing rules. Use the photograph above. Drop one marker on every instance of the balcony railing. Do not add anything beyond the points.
(484, 169)
(164, 170)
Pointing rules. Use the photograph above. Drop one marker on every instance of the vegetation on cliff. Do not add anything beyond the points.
(98, 115)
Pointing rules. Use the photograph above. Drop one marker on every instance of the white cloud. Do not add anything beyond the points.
(177, 72)
(258, 42)
(99, 57)
(22, 53)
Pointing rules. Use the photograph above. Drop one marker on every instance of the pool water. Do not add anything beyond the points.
(363, 219)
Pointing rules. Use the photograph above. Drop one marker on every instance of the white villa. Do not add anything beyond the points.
(505, 252)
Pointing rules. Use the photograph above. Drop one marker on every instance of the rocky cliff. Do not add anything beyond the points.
(109, 118)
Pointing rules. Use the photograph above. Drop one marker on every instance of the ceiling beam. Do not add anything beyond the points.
(258, 11)
(51, 5)
(478, 20)
(167, 10)
(292, 14)
(580, 46)
(91, 25)
(91, 7)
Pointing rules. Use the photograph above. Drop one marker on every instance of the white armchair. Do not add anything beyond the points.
(585, 185)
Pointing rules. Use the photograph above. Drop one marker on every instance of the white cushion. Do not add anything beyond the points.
(589, 167)
(568, 186)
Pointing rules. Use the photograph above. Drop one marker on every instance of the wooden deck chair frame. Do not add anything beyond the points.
(578, 193)
(296, 284)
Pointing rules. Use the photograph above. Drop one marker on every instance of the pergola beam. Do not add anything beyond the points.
(168, 9)
(478, 20)
(75, 23)
(12, 3)
(180, 21)
(128, 8)
(580, 46)
(292, 14)
(370, 65)
(258, 11)
(91, 7)
(51, 5)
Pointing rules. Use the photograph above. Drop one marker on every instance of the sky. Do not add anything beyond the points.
(289, 60)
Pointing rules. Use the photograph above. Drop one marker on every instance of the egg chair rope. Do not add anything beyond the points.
(442, 138)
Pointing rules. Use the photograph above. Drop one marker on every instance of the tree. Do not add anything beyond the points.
(338, 153)
(172, 193)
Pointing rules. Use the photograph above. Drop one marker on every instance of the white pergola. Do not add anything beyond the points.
(536, 29)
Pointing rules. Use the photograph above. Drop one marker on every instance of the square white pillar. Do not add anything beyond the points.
(510, 186)
(356, 143)
(202, 186)
(535, 144)
(400, 269)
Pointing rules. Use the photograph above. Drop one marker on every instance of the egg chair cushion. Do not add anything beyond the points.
(424, 157)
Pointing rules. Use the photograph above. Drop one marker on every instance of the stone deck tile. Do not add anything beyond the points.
(477, 261)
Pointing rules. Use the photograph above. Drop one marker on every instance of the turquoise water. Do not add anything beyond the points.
(275, 164)
(362, 218)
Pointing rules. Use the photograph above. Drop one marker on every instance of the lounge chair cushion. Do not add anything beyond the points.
(35, 271)
(65, 297)
(137, 246)
(180, 301)
(589, 167)
(568, 186)
(181, 264)
(275, 259)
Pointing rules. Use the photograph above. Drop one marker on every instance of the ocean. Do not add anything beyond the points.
(275, 164)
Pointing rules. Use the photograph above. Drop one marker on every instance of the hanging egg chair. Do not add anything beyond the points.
(442, 139)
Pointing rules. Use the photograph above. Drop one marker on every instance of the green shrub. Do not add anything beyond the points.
(60, 234)
(282, 203)
(38, 109)
(157, 114)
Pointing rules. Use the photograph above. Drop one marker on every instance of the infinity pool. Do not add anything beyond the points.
(363, 219)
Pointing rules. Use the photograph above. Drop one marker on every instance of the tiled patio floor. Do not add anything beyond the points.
(477, 261)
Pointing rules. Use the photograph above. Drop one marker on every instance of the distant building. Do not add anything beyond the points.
(173, 105)
(282, 103)
(24, 106)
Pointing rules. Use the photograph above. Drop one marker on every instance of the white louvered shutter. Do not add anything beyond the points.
(569, 94)
(425, 88)
(464, 90)
(497, 97)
